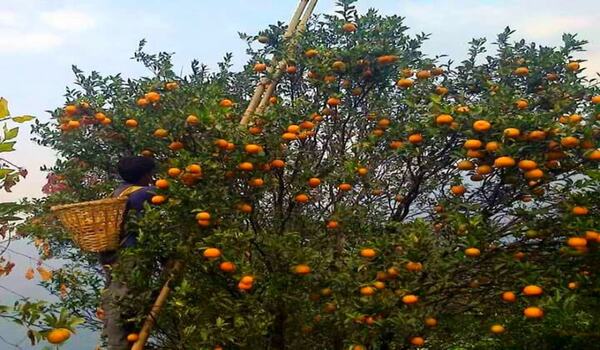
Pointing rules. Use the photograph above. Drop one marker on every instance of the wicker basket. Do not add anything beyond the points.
(95, 225)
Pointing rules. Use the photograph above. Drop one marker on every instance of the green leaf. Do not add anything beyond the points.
(7, 146)
(3, 107)
(23, 118)
(10, 134)
(4, 172)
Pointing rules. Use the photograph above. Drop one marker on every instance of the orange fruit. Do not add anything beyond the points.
(260, 67)
(437, 71)
(415, 138)
(482, 125)
(332, 224)
(289, 136)
(578, 210)
(522, 104)
(537, 135)
(362, 171)
(569, 141)
(142, 102)
(256, 182)
(133, 337)
(367, 291)
(573, 285)
(410, 299)
(70, 109)
(592, 235)
(131, 123)
(203, 215)
(465, 165)
(521, 71)
(58, 335)
(246, 166)
(368, 253)
(100, 116)
(174, 172)
(192, 120)
(302, 269)
(278, 163)
(302, 198)
(162, 184)
(431, 322)
(440, 90)
(458, 190)
(245, 208)
(171, 86)
(533, 312)
(333, 101)
(573, 66)
(576, 242)
(414, 266)
(395, 144)
(417, 341)
(405, 83)
(212, 253)
(472, 144)
(512, 132)
(253, 149)
(423, 74)
(225, 103)
(291, 70)
(74, 124)
(176, 146)
(596, 99)
(497, 329)
(160, 133)
(504, 162)
(472, 252)
(386, 59)
(158, 199)
(222, 144)
(492, 146)
(484, 169)
(194, 169)
(345, 187)
(244, 286)
(510, 297)
(527, 165)
(379, 284)
(311, 53)
(314, 182)
(534, 174)
(594, 155)
(152, 97)
(338, 66)
(247, 279)
(532, 290)
(444, 119)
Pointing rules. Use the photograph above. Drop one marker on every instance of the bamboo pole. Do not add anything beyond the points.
(156, 307)
(260, 88)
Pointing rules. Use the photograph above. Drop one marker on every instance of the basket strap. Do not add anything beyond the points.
(128, 191)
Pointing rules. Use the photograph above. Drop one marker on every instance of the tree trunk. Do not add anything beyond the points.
(277, 341)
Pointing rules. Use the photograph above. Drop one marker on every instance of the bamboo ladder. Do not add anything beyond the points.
(264, 90)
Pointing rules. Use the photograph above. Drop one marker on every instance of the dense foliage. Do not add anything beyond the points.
(384, 199)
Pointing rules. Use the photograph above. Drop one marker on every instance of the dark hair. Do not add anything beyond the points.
(133, 169)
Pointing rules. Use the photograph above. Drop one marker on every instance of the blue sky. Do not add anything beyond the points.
(40, 39)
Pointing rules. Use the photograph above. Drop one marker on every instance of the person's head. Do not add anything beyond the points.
(136, 170)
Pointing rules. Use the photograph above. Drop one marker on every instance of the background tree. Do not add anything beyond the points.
(385, 200)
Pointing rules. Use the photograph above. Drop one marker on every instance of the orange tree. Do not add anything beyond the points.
(384, 199)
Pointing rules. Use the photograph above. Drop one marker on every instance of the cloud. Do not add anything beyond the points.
(14, 41)
(68, 20)
(8, 18)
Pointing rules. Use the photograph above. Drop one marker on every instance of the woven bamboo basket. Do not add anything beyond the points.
(95, 225)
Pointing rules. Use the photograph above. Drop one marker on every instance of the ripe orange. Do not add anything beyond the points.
(338, 66)
(431, 322)
(222, 144)
(203, 215)
(492, 146)
(414, 266)
(579, 210)
(573, 66)
(333, 101)
(437, 71)
(482, 125)
(362, 171)
(133, 337)
(484, 169)
(527, 165)
(245, 208)
(278, 163)
(244, 286)
(504, 162)
(256, 182)
(152, 97)
(194, 169)
(131, 123)
(302, 269)
(367, 291)
(387, 59)
(458, 190)
(142, 102)
(74, 124)
(465, 165)
(225, 103)
(569, 141)
(521, 71)
(522, 104)
(171, 86)
(311, 53)
(596, 99)
(176, 146)
(444, 119)
(510, 297)
(260, 67)
(291, 70)
(253, 149)
(379, 284)
(345, 187)
(532, 290)
(174, 172)
(192, 120)
(302, 198)
(533, 312)
(415, 139)
(440, 90)
(472, 144)
(368, 253)
(573, 285)
(158, 199)
(594, 155)
(512, 132)
(58, 335)
(161, 133)
(70, 109)
(592, 235)
(100, 116)
(472, 252)
(162, 184)
(417, 341)
(314, 182)
(534, 174)
(405, 83)
(537, 135)
(289, 136)
(212, 253)
(246, 166)
(576, 242)
(497, 329)
(410, 299)
(423, 74)
(332, 224)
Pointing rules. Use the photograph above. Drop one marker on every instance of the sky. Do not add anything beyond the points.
(41, 39)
